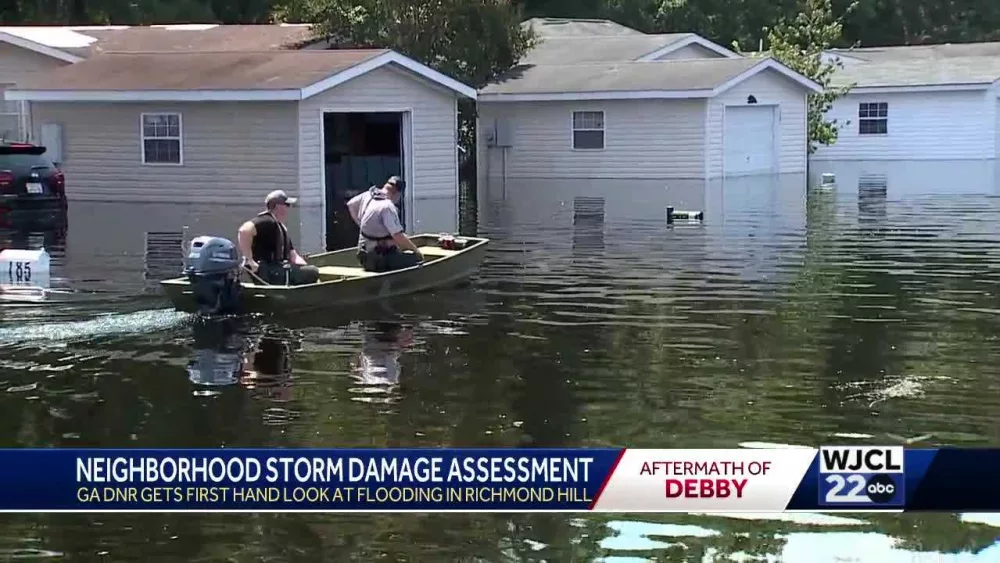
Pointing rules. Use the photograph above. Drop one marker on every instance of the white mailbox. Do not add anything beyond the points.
(24, 267)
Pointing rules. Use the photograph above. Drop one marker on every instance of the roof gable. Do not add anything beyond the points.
(573, 49)
(689, 40)
(33, 46)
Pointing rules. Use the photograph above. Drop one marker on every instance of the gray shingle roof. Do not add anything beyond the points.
(676, 75)
(565, 27)
(598, 49)
(911, 52)
(919, 72)
(87, 41)
(264, 70)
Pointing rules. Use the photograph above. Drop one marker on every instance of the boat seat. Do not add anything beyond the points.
(436, 251)
(344, 271)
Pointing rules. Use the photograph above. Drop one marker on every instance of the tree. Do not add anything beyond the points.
(799, 44)
(473, 41)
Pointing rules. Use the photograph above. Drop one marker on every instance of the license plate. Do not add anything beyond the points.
(34, 188)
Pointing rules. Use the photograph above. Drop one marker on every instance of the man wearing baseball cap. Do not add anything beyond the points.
(267, 248)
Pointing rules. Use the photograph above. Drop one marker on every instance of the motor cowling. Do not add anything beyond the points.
(213, 271)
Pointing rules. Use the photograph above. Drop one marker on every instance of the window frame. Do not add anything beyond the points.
(179, 138)
(573, 130)
(874, 116)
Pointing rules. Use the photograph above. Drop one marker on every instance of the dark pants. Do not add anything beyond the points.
(274, 274)
(386, 259)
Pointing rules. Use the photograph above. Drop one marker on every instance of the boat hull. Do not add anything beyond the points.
(342, 282)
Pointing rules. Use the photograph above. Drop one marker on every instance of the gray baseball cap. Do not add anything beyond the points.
(279, 196)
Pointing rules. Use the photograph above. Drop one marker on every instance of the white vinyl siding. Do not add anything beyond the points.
(16, 65)
(996, 133)
(767, 88)
(10, 116)
(922, 126)
(643, 139)
(234, 152)
(434, 166)
(162, 139)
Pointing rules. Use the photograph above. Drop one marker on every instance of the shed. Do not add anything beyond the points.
(224, 128)
(922, 102)
(688, 118)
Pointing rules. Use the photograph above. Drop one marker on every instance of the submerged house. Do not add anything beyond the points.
(918, 120)
(924, 102)
(155, 117)
(596, 106)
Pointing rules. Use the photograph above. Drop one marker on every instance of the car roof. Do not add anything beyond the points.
(21, 148)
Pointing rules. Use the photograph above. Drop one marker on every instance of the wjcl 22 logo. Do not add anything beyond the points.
(852, 476)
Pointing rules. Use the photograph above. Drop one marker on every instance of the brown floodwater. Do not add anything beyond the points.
(837, 321)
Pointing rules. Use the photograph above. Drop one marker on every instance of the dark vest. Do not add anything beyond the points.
(271, 244)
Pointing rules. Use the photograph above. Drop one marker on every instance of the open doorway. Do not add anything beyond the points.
(360, 150)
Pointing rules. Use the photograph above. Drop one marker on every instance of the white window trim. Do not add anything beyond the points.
(143, 138)
(886, 118)
(573, 129)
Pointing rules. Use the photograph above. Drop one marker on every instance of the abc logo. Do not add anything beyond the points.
(855, 488)
(880, 488)
(861, 475)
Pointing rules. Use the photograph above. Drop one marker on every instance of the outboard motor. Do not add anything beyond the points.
(214, 273)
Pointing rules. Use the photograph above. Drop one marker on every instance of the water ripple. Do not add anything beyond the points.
(768, 326)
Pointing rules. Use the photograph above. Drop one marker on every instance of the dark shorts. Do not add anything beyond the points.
(274, 274)
(386, 260)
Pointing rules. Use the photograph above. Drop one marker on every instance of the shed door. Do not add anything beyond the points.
(748, 140)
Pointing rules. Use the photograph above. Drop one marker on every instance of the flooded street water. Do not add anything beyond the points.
(869, 322)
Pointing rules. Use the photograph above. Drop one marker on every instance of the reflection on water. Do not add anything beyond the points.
(378, 365)
(789, 537)
(219, 353)
(855, 316)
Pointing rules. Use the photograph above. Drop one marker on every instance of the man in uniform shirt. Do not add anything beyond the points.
(268, 249)
(382, 242)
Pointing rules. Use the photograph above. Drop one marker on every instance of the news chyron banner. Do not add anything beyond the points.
(829, 478)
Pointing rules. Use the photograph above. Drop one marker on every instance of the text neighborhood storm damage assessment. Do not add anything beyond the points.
(332, 470)
(331, 481)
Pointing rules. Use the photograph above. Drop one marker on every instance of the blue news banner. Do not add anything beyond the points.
(302, 479)
(879, 478)
(838, 478)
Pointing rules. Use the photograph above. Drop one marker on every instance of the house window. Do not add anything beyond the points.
(588, 130)
(873, 118)
(161, 138)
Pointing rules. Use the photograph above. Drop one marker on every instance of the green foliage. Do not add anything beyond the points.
(134, 12)
(473, 41)
(799, 43)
